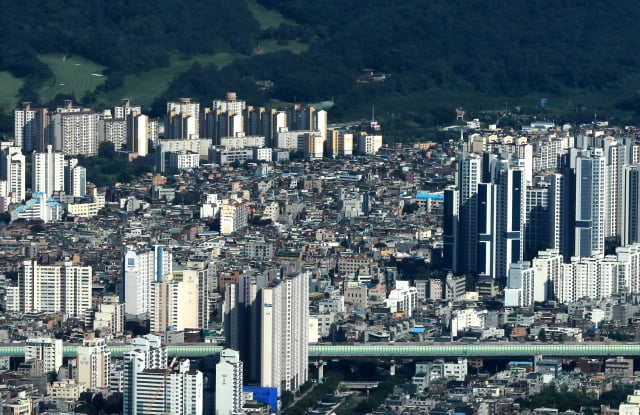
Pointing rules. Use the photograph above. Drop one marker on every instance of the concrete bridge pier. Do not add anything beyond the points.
(320, 364)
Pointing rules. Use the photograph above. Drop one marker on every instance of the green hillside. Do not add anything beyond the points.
(429, 56)
(143, 88)
(72, 75)
(9, 87)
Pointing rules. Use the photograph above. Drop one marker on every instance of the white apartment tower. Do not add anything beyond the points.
(112, 130)
(75, 178)
(510, 202)
(138, 134)
(126, 109)
(94, 360)
(183, 119)
(141, 267)
(403, 298)
(47, 349)
(521, 279)
(285, 333)
(151, 386)
(231, 104)
(174, 302)
(558, 210)
(75, 130)
(469, 175)
(369, 144)
(110, 315)
(487, 229)
(615, 153)
(31, 127)
(12, 169)
(547, 266)
(229, 398)
(233, 216)
(631, 205)
(56, 288)
(591, 203)
(48, 171)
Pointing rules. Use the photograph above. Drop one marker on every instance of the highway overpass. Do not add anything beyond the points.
(493, 349)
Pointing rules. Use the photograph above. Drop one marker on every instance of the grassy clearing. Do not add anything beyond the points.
(271, 45)
(72, 75)
(267, 18)
(142, 89)
(9, 87)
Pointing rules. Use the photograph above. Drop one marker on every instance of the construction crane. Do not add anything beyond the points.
(168, 370)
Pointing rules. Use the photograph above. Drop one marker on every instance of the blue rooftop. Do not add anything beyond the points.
(427, 196)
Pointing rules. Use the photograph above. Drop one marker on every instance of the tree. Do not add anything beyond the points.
(37, 228)
(409, 208)
(287, 398)
(106, 150)
(542, 335)
(5, 217)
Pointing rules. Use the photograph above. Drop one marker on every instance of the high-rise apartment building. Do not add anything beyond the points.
(340, 143)
(559, 220)
(487, 225)
(510, 214)
(75, 130)
(123, 111)
(631, 205)
(538, 217)
(12, 170)
(75, 178)
(368, 143)
(242, 314)
(231, 104)
(233, 216)
(450, 236)
(138, 134)
(46, 349)
(48, 171)
(112, 130)
(110, 316)
(94, 360)
(183, 119)
(56, 288)
(591, 207)
(313, 146)
(151, 386)
(469, 175)
(484, 226)
(229, 397)
(174, 302)
(285, 332)
(142, 266)
(31, 128)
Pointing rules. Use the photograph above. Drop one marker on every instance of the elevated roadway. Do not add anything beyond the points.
(494, 349)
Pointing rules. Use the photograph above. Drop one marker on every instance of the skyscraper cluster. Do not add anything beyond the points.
(75, 130)
(153, 386)
(62, 287)
(576, 196)
(266, 320)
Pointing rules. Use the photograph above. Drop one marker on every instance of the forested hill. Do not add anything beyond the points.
(123, 35)
(434, 52)
(494, 45)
